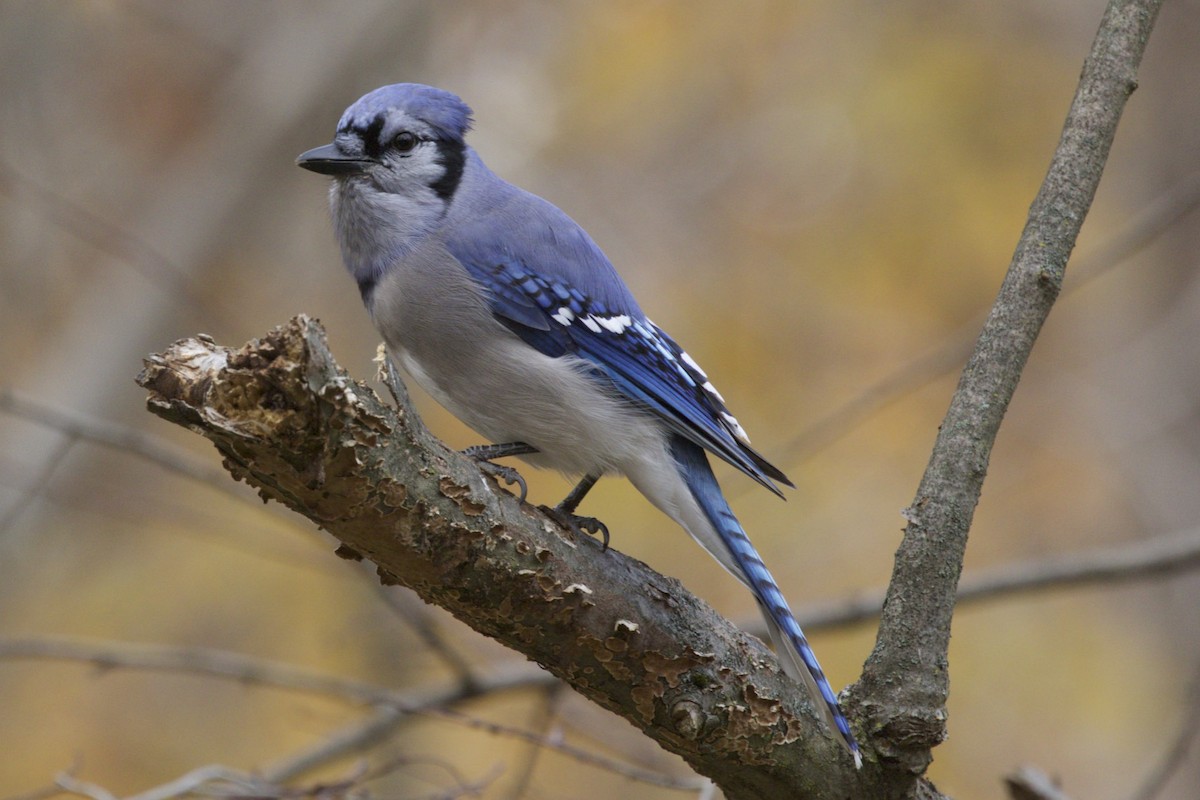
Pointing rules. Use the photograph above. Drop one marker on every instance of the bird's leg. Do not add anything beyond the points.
(564, 513)
(482, 454)
(486, 452)
(576, 495)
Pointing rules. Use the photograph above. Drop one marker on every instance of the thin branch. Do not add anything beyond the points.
(547, 710)
(37, 486)
(361, 736)
(408, 608)
(394, 705)
(190, 782)
(218, 780)
(210, 662)
(357, 737)
(76, 427)
(579, 754)
(79, 427)
(1161, 556)
(118, 437)
(902, 693)
(462, 787)
(429, 701)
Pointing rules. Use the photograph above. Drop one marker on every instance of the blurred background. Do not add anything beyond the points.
(817, 198)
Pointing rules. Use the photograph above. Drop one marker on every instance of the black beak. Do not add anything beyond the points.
(328, 160)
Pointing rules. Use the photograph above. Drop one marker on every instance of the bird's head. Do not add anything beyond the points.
(398, 138)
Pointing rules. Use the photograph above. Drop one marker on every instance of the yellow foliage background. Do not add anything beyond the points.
(808, 195)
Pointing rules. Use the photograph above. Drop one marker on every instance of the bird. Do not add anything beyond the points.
(507, 312)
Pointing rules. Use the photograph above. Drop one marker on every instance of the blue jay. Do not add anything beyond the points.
(508, 314)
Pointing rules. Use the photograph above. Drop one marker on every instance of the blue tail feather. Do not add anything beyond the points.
(795, 653)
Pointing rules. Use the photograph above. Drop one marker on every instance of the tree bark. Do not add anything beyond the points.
(290, 422)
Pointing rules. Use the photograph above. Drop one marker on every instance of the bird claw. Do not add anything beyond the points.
(502, 473)
(577, 524)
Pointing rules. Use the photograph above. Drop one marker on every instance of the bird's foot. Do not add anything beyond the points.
(506, 475)
(577, 524)
(483, 453)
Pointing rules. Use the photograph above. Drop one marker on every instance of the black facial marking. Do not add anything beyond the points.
(452, 155)
(366, 287)
(370, 137)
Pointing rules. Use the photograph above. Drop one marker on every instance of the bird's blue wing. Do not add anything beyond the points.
(630, 351)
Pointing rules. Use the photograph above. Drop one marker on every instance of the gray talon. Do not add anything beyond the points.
(482, 454)
(577, 524)
(506, 474)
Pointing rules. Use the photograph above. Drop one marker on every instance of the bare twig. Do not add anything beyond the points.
(408, 607)
(1166, 555)
(79, 427)
(76, 427)
(1160, 556)
(462, 787)
(217, 780)
(903, 689)
(356, 737)
(360, 736)
(393, 705)
(235, 666)
(37, 486)
(431, 701)
(242, 783)
(118, 437)
(547, 710)
(581, 755)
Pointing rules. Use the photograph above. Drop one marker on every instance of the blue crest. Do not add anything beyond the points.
(443, 111)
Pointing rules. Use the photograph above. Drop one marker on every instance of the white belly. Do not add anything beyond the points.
(520, 395)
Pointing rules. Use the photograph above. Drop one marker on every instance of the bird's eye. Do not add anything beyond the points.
(405, 142)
